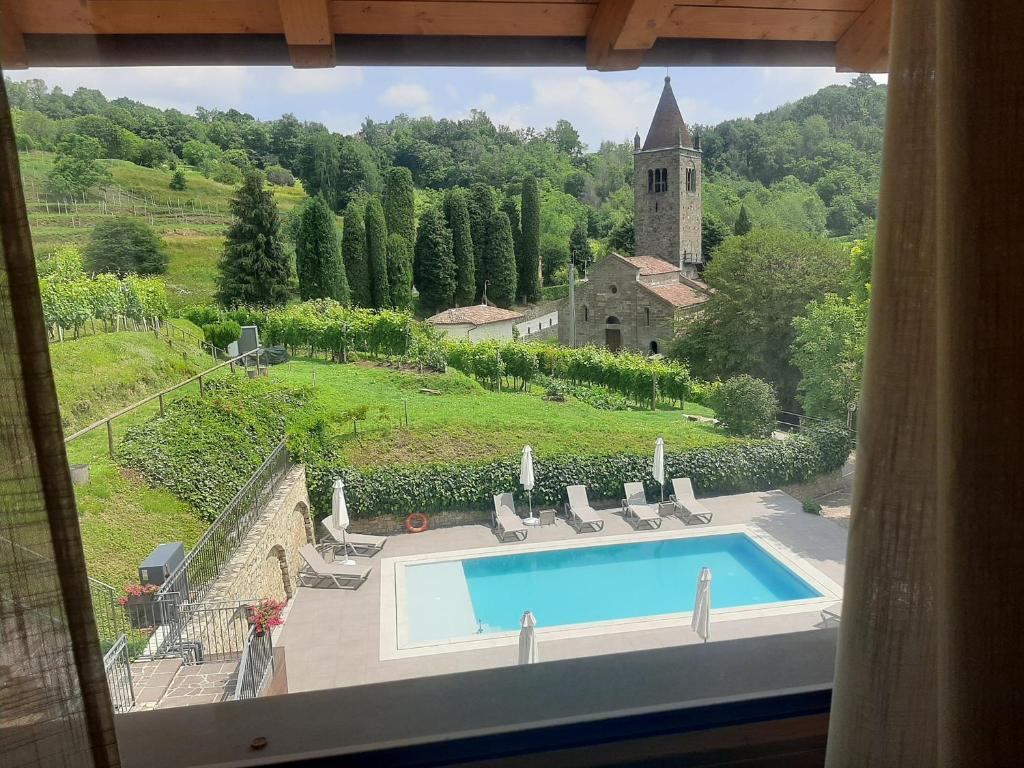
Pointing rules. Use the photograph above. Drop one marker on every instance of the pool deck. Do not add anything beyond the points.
(332, 637)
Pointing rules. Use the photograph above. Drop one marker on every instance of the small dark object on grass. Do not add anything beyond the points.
(812, 507)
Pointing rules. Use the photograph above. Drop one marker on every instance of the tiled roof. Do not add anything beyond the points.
(678, 294)
(650, 265)
(667, 127)
(481, 314)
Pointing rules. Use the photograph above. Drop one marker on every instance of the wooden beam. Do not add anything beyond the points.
(757, 23)
(465, 17)
(791, 5)
(622, 30)
(864, 47)
(142, 17)
(307, 28)
(12, 43)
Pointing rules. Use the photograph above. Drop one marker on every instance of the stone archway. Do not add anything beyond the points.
(277, 553)
(302, 509)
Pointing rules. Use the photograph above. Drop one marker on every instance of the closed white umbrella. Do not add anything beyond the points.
(528, 653)
(526, 479)
(340, 512)
(701, 621)
(659, 465)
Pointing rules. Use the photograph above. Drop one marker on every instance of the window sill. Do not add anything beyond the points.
(770, 691)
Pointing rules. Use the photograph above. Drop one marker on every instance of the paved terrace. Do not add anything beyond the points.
(332, 637)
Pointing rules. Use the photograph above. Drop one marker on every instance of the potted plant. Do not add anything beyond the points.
(137, 601)
(265, 615)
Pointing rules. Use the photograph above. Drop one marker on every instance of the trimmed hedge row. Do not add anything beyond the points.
(731, 468)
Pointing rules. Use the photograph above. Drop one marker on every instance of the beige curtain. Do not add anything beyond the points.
(929, 669)
(55, 707)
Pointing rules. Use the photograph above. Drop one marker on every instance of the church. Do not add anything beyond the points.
(635, 302)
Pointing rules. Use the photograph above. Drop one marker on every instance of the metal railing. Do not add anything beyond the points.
(118, 668)
(256, 667)
(212, 631)
(201, 567)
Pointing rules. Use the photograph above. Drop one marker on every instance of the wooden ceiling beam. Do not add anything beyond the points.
(623, 30)
(308, 31)
(757, 23)
(12, 43)
(864, 47)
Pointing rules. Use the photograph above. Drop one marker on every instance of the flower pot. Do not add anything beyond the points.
(141, 611)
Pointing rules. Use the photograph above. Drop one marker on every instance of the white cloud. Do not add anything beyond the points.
(410, 98)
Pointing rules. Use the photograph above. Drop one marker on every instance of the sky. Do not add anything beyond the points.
(602, 106)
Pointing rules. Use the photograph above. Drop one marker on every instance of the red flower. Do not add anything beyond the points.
(136, 590)
(266, 614)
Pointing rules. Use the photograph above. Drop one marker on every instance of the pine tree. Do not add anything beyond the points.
(377, 253)
(529, 274)
(457, 216)
(353, 251)
(178, 181)
(254, 268)
(579, 248)
(400, 203)
(743, 223)
(317, 256)
(433, 263)
(400, 271)
(481, 207)
(509, 206)
(500, 261)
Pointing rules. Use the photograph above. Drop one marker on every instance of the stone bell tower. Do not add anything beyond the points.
(667, 189)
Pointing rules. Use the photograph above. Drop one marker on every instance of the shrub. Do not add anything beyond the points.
(222, 334)
(178, 181)
(204, 449)
(746, 406)
(200, 314)
(729, 468)
(812, 507)
(124, 244)
(280, 177)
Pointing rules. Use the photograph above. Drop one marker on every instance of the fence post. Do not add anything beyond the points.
(202, 389)
(161, 403)
(110, 437)
(405, 400)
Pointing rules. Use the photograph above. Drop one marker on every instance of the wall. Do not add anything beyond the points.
(501, 330)
(266, 563)
(543, 326)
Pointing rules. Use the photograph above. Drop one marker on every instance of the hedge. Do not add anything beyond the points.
(730, 468)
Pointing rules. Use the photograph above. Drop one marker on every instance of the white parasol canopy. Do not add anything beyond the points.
(659, 465)
(339, 510)
(701, 621)
(528, 653)
(526, 479)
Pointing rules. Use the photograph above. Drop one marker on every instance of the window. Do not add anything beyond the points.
(612, 320)
(657, 180)
(647, 315)
(654, 347)
(691, 179)
(650, 181)
(613, 288)
(586, 314)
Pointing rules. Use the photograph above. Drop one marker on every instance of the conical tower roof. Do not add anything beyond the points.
(667, 128)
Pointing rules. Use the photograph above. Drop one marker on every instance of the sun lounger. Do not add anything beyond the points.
(507, 524)
(360, 544)
(579, 512)
(315, 571)
(685, 504)
(636, 509)
(834, 613)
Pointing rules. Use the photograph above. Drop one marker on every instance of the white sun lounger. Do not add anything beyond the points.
(507, 524)
(579, 512)
(686, 506)
(833, 613)
(315, 571)
(636, 509)
(360, 544)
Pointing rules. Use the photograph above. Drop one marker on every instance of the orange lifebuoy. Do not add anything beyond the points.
(417, 522)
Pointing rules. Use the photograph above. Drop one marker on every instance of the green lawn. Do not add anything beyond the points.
(192, 269)
(467, 422)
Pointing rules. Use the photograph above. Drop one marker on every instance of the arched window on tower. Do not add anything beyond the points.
(650, 180)
(664, 179)
(660, 180)
(647, 315)
(586, 314)
(691, 179)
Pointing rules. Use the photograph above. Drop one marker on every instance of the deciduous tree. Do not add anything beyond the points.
(122, 245)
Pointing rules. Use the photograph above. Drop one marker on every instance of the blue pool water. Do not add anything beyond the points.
(600, 583)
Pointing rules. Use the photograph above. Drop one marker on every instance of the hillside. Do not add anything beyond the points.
(191, 222)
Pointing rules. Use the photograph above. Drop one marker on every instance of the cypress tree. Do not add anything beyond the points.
(400, 203)
(457, 215)
(434, 264)
(481, 207)
(353, 251)
(743, 222)
(500, 261)
(509, 206)
(529, 274)
(579, 247)
(317, 257)
(400, 271)
(254, 268)
(377, 253)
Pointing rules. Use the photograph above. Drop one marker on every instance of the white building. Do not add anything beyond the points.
(477, 323)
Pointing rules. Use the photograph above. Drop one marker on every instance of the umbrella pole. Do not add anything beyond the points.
(344, 543)
(529, 500)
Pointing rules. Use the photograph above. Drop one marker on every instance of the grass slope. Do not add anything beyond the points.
(467, 422)
(192, 222)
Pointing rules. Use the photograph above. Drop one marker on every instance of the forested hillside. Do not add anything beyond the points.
(810, 166)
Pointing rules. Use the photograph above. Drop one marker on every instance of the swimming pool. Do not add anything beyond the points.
(485, 595)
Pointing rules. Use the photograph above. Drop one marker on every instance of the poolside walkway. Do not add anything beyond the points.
(332, 637)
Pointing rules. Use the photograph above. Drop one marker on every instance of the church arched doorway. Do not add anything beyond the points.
(612, 334)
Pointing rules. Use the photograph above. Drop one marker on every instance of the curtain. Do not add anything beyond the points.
(928, 670)
(55, 707)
